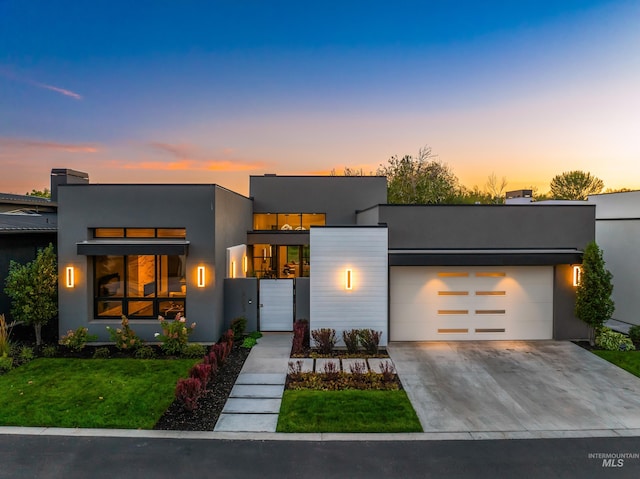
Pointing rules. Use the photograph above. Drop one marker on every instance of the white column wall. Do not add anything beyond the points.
(363, 250)
(236, 254)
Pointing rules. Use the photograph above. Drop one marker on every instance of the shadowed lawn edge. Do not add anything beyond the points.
(355, 411)
(90, 393)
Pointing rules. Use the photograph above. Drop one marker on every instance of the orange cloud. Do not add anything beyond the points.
(186, 164)
(48, 145)
(190, 157)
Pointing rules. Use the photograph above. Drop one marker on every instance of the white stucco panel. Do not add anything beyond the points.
(364, 252)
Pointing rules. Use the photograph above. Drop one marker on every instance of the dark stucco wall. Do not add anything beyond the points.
(337, 196)
(233, 219)
(565, 323)
(201, 209)
(241, 299)
(487, 226)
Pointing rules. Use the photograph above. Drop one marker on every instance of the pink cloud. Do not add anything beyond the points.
(19, 144)
(62, 91)
(7, 73)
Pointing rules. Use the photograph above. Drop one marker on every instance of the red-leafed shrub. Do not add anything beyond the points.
(188, 391)
(325, 339)
(370, 340)
(202, 372)
(220, 351)
(300, 337)
(227, 337)
(212, 360)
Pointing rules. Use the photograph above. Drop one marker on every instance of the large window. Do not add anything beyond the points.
(279, 261)
(287, 221)
(139, 233)
(139, 286)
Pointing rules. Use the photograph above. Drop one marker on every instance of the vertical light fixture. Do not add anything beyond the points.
(245, 264)
(70, 277)
(201, 277)
(348, 279)
(233, 269)
(577, 275)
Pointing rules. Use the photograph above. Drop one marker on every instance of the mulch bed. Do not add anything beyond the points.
(205, 416)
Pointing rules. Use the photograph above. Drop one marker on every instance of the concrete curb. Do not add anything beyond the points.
(318, 437)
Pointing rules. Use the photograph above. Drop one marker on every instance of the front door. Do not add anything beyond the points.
(276, 304)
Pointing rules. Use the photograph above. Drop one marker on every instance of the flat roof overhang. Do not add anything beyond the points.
(122, 247)
(484, 257)
(290, 238)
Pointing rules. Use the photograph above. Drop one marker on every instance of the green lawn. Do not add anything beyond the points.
(347, 411)
(627, 360)
(91, 393)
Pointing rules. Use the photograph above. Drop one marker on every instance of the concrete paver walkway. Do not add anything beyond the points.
(254, 403)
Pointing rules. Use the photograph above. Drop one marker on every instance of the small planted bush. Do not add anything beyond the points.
(325, 339)
(634, 333)
(351, 339)
(613, 341)
(188, 391)
(249, 342)
(26, 354)
(175, 334)
(124, 338)
(238, 325)
(101, 353)
(219, 351)
(300, 337)
(370, 340)
(50, 351)
(255, 335)
(78, 339)
(145, 352)
(201, 372)
(6, 364)
(5, 347)
(194, 351)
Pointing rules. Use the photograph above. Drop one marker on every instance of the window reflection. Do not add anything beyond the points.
(287, 221)
(149, 285)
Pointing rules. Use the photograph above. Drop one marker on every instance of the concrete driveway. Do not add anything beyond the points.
(513, 386)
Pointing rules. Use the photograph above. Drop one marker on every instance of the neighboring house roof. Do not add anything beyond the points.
(25, 199)
(28, 223)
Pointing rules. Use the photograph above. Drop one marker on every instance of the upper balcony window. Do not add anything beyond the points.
(139, 233)
(287, 221)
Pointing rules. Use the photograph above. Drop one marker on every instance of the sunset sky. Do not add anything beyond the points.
(213, 91)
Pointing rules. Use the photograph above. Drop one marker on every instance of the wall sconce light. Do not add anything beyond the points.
(70, 280)
(233, 269)
(245, 264)
(201, 277)
(577, 275)
(348, 279)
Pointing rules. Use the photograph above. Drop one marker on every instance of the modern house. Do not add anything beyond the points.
(328, 249)
(27, 223)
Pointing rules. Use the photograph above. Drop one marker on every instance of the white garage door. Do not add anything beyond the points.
(471, 303)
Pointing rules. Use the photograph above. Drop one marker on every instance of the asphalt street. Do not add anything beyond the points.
(49, 457)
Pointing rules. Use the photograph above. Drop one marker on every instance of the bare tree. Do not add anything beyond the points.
(496, 188)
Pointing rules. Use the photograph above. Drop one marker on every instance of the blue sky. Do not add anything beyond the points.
(211, 92)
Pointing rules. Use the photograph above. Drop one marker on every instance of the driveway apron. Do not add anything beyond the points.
(515, 386)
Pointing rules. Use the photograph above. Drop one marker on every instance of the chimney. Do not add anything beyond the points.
(64, 176)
